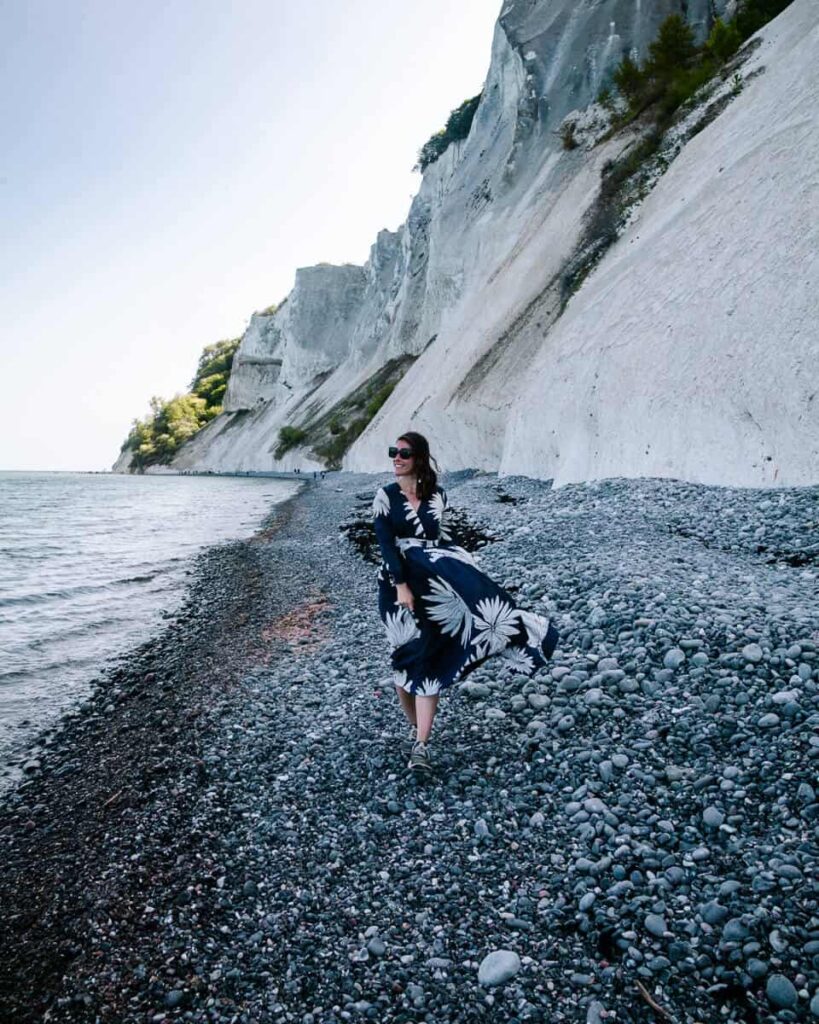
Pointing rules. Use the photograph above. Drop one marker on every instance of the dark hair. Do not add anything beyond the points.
(427, 477)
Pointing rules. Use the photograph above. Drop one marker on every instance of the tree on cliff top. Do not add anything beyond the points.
(156, 439)
(216, 359)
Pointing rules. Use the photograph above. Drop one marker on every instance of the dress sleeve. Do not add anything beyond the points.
(385, 534)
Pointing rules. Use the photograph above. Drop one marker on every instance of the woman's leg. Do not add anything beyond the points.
(425, 708)
(407, 703)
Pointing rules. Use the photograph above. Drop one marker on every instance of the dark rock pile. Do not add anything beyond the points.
(630, 836)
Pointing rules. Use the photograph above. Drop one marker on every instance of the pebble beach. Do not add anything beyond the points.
(226, 831)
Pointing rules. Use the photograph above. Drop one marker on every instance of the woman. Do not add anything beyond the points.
(443, 616)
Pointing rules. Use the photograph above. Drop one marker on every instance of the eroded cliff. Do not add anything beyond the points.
(682, 349)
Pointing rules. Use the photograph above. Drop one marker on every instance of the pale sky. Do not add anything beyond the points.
(166, 165)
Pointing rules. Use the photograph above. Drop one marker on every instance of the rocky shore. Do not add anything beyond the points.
(226, 830)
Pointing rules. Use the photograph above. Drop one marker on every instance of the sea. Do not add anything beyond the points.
(90, 564)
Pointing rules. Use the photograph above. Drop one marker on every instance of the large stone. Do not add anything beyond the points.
(781, 992)
(498, 967)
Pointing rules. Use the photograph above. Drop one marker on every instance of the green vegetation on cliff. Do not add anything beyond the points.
(676, 79)
(329, 433)
(676, 67)
(456, 128)
(157, 438)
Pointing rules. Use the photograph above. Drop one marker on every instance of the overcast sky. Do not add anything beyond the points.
(166, 165)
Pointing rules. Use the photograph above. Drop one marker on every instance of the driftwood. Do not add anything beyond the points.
(653, 1003)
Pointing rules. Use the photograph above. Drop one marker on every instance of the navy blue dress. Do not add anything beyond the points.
(461, 616)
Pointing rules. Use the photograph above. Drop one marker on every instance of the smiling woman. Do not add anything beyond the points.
(442, 615)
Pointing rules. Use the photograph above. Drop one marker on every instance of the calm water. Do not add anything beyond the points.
(87, 566)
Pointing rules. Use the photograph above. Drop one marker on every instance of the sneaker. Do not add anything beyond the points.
(419, 758)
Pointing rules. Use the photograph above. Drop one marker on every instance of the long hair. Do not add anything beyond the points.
(427, 477)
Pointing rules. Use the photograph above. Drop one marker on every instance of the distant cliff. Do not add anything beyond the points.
(582, 287)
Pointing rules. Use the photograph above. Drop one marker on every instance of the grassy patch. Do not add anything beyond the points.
(332, 434)
(289, 437)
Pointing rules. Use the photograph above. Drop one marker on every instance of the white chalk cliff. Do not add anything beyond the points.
(690, 350)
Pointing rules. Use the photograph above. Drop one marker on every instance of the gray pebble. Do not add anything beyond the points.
(655, 925)
(752, 653)
(498, 967)
(674, 658)
(713, 817)
(781, 992)
(713, 913)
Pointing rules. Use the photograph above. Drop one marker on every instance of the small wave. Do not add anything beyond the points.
(65, 634)
(65, 667)
(79, 590)
(142, 579)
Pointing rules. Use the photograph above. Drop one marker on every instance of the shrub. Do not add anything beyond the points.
(753, 14)
(567, 135)
(378, 399)
(630, 81)
(213, 372)
(676, 68)
(156, 439)
(357, 427)
(615, 173)
(672, 50)
(724, 40)
(456, 128)
(683, 86)
(289, 437)
(606, 100)
(333, 451)
(216, 358)
(212, 388)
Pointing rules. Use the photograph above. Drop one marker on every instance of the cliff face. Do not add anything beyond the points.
(693, 351)
(661, 364)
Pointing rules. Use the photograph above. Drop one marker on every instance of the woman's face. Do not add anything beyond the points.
(403, 466)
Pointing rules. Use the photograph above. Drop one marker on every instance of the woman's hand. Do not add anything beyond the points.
(403, 596)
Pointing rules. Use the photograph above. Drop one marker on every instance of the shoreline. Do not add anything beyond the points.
(225, 830)
(122, 725)
(85, 615)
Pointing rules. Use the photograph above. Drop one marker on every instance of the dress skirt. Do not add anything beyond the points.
(461, 616)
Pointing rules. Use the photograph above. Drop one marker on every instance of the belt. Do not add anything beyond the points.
(414, 542)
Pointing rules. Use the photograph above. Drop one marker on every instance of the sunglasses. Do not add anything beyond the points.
(404, 453)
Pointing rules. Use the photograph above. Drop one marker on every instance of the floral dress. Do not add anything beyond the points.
(461, 616)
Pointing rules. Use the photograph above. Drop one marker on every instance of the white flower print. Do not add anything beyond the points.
(449, 609)
(400, 679)
(536, 627)
(401, 627)
(519, 661)
(412, 516)
(428, 687)
(436, 506)
(457, 553)
(481, 648)
(381, 503)
(496, 622)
